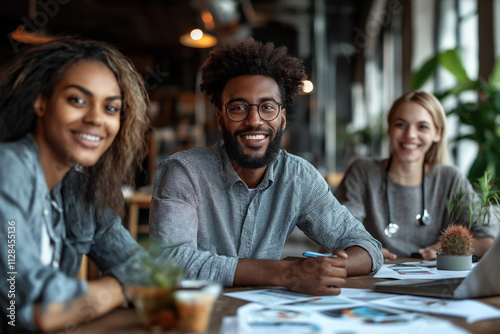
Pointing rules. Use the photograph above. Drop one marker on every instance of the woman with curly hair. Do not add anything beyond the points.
(225, 213)
(73, 124)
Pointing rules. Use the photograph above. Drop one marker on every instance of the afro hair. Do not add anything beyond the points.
(238, 58)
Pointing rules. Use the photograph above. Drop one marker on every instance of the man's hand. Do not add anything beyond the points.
(322, 275)
(388, 255)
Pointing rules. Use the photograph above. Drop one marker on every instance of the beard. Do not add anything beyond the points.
(235, 151)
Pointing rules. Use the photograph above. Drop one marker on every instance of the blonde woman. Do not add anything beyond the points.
(401, 199)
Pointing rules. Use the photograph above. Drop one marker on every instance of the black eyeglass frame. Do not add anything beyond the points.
(258, 110)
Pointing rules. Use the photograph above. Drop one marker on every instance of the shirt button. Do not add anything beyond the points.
(45, 212)
(55, 264)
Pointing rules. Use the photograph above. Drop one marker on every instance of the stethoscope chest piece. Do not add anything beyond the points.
(423, 219)
(391, 229)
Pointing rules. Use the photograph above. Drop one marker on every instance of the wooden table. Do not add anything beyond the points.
(125, 321)
(137, 201)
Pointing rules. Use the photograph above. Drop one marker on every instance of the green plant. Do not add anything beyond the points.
(481, 203)
(156, 273)
(155, 270)
(482, 115)
(456, 240)
(151, 288)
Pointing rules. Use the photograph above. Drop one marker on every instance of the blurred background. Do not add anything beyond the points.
(360, 55)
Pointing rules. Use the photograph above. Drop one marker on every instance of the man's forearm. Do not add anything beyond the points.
(259, 272)
(359, 261)
(314, 276)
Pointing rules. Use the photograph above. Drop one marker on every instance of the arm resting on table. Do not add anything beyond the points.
(317, 276)
(92, 304)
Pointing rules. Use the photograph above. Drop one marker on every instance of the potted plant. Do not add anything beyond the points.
(456, 245)
(456, 239)
(151, 290)
(481, 114)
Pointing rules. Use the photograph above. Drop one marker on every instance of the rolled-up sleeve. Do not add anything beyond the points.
(331, 224)
(113, 250)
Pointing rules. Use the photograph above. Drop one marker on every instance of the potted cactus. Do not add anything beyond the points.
(456, 239)
(456, 246)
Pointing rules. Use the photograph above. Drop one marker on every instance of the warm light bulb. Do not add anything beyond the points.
(308, 86)
(196, 34)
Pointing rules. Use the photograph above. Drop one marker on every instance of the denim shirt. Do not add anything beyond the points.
(74, 229)
(204, 215)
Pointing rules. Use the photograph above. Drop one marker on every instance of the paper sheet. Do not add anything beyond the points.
(273, 296)
(260, 319)
(351, 298)
(469, 309)
(410, 270)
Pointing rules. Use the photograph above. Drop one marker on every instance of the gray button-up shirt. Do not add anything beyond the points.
(74, 228)
(203, 215)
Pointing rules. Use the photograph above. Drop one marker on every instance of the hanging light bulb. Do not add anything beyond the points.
(26, 37)
(23, 36)
(196, 34)
(307, 86)
(198, 39)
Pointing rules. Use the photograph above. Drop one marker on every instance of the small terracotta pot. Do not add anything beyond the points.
(454, 262)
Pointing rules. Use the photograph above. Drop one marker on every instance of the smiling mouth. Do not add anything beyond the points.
(410, 146)
(254, 137)
(88, 137)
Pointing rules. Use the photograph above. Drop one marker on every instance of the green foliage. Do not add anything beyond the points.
(483, 115)
(454, 206)
(481, 206)
(155, 271)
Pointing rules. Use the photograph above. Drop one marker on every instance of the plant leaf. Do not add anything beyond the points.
(463, 86)
(495, 75)
(424, 73)
(452, 62)
(478, 167)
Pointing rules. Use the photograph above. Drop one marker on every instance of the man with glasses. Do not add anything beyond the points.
(225, 213)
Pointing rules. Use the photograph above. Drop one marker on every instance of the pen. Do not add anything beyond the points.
(314, 254)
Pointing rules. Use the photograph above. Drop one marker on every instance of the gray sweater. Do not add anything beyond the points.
(362, 191)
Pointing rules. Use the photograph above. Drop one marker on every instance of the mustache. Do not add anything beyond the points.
(251, 129)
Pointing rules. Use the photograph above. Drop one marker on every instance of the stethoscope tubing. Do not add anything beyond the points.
(422, 219)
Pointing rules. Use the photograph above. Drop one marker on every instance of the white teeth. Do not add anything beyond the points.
(255, 137)
(410, 147)
(88, 137)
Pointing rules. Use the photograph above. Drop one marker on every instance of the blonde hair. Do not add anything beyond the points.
(438, 152)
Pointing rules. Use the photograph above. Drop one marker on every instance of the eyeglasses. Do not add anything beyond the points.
(238, 111)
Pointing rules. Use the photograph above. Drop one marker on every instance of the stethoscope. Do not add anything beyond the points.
(423, 219)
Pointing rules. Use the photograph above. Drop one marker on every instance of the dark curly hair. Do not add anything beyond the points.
(237, 58)
(37, 69)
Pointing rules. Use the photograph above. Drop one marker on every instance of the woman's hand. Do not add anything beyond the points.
(388, 255)
(429, 253)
